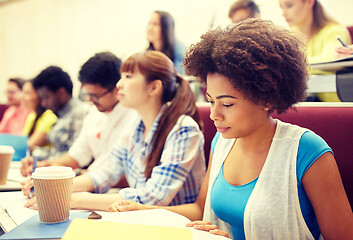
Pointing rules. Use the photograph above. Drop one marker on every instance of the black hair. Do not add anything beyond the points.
(53, 78)
(103, 69)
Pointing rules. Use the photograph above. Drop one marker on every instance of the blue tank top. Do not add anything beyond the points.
(228, 202)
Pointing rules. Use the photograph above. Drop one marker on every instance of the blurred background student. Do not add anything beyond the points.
(39, 121)
(54, 88)
(319, 31)
(161, 37)
(15, 116)
(342, 51)
(105, 121)
(243, 9)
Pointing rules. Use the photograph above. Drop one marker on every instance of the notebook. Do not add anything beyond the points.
(91, 230)
(346, 62)
(34, 229)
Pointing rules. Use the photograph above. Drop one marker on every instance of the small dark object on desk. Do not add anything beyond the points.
(94, 215)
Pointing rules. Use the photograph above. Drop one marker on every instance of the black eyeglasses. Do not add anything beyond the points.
(95, 98)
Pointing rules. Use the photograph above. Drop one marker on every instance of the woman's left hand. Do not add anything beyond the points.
(207, 226)
(125, 206)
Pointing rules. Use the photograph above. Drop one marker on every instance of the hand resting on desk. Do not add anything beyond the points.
(207, 226)
(126, 205)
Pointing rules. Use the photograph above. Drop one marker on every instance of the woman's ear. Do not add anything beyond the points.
(155, 87)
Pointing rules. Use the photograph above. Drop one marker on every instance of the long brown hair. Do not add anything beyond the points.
(168, 36)
(38, 111)
(176, 92)
(321, 17)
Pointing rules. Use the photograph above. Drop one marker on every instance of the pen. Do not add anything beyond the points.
(34, 168)
(341, 41)
(28, 154)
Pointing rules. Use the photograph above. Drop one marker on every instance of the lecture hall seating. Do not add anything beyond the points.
(350, 30)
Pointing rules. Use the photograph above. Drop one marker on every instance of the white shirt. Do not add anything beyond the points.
(100, 131)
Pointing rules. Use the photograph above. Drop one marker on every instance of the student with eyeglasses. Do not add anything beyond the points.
(94, 98)
(105, 120)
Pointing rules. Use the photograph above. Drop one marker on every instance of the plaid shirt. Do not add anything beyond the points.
(176, 180)
(67, 127)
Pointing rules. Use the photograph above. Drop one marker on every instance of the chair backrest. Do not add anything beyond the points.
(3, 108)
(19, 143)
(335, 126)
(209, 129)
(350, 30)
(334, 123)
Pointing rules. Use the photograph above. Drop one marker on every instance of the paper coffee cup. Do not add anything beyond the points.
(53, 186)
(6, 153)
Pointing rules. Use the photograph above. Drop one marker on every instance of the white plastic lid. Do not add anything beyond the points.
(56, 172)
(4, 149)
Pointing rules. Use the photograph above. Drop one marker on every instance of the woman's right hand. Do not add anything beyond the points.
(343, 51)
(27, 186)
(126, 205)
(32, 203)
(27, 165)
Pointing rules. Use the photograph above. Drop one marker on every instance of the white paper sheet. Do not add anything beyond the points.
(14, 202)
(157, 217)
(15, 172)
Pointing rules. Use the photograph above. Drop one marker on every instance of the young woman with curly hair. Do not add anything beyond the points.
(266, 179)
